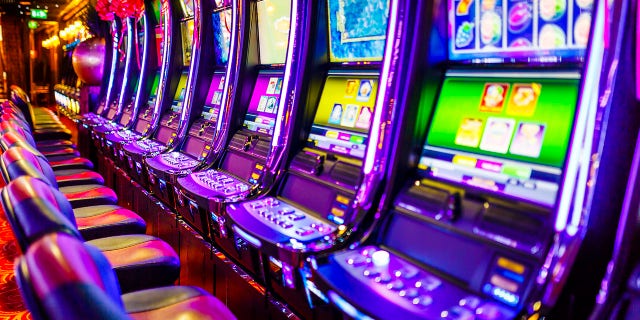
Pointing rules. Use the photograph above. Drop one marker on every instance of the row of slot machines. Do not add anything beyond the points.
(396, 159)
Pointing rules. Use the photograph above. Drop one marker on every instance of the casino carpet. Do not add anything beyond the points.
(11, 304)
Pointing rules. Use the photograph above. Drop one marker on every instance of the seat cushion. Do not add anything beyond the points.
(140, 261)
(89, 195)
(64, 162)
(60, 152)
(58, 142)
(74, 177)
(107, 220)
(177, 302)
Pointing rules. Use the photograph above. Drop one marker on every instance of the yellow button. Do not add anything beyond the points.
(342, 199)
(259, 166)
(337, 212)
(464, 161)
(255, 176)
(511, 265)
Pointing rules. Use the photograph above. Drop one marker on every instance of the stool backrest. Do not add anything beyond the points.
(62, 278)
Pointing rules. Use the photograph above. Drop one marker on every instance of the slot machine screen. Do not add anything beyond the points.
(222, 35)
(187, 41)
(187, 7)
(154, 86)
(263, 107)
(523, 30)
(343, 118)
(273, 30)
(156, 5)
(214, 98)
(178, 99)
(122, 51)
(222, 3)
(505, 135)
(159, 43)
(357, 30)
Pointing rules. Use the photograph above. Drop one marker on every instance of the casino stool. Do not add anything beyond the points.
(17, 162)
(50, 150)
(60, 162)
(63, 177)
(53, 284)
(42, 121)
(34, 209)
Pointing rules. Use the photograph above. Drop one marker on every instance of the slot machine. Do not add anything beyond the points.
(209, 82)
(262, 76)
(137, 73)
(486, 209)
(138, 113)
(113, 73)
(333, 175)
(173, 106)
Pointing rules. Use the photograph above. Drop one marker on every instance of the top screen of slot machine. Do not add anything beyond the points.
(187, 7)
(187, 41)
(273, 30)
(221, 21)
(357, 30)
(518, 30)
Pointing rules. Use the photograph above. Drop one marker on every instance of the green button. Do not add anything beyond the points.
(357, 139)
(516, 171)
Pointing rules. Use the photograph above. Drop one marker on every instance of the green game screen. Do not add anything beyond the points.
(343, 118)
(519, 119)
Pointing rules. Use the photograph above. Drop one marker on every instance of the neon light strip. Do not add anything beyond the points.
(374, 135)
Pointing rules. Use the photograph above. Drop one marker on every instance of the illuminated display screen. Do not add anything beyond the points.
(178, 98)
(521, 30)
(139, 49)
(273, 30)
(156, 5)
(214, 98)
(122, 51)
(187, 41)
(187, 7)
(505, 135)
(263, 107)
(154, 86)
(222, 3)
(343, 118)
(357, 30)
(222, 35)
(159, 43)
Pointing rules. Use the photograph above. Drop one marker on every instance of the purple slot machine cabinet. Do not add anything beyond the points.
(139, 114)
(486, 208)
(139, 73)
(174, 90)
(165, 168)
(119, 32)
(333, 175)
(262, 77)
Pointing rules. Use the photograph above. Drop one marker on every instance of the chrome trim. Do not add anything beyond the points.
(192, 77)
(115, 36)
(167, 41)
(124, 97)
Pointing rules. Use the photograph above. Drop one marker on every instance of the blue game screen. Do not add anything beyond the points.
(222, 35)
(527, 30)
(357, 29)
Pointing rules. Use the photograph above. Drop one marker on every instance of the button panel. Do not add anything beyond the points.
(288, 220)
(220, 182)
(178, 160)
(149, 145)
(415, 289)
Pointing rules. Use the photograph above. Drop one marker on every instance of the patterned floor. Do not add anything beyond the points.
(11, 304)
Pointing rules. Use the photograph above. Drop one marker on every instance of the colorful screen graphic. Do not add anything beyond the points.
(505, 135)
(178, 98)
(222, 35)
(154, 87)
(343, 118)
(214, 98)
(357, 29)
(222, 3)
(187, 41)
(273, 30)
(122, 50)
(159, 43)
(519, 29)
(187, 7)
(263, 107)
